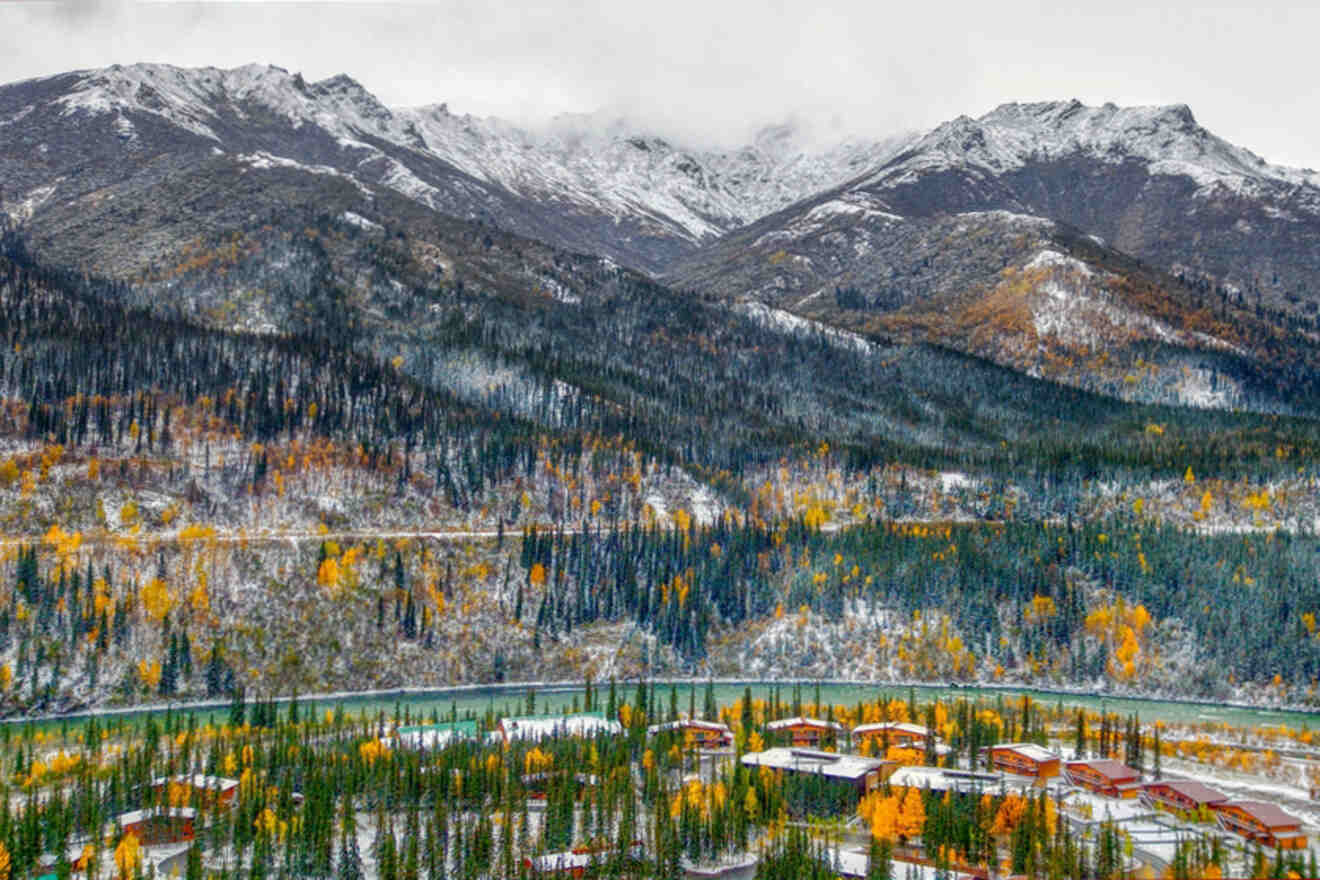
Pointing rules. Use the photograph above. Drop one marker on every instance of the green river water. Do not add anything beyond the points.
(512, 700)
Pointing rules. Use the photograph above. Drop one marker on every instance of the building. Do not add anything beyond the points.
(534, 728)
(806, 732)
(697, 734)
(864, 774)
(1266, 824)
(156, 826)
(1103, 776)
(573, 864)
(210, 792)
(435, 736)
(945, 779)
(896, 733)
(1181, 795)
(1025, 759)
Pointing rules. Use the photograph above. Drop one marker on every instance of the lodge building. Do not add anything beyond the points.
(1180, 795)
(809, 733)
(697, 734)
(1264, 823)
(1103, 776)
(1025, 759)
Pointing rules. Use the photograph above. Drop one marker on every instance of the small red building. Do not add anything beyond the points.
(1180, 795)
(157, 826)
(806, 732)
(898, 733)
(1025, 759)
(1265, 823)
(697, 734)
(1103, 776)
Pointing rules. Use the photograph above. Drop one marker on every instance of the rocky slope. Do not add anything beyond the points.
(72, 143)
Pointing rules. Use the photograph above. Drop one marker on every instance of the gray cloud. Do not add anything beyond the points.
(713, 70)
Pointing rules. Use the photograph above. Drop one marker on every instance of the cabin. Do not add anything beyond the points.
(1264, 823)
(1180, 795)
(211, 792)
(697, 734)
(895, 733)
(156, 826)
(534, 728)
(574, 863)
(1025, 759)
(1103, 776)
(538, 785)
(432, 737)
(809, 733)
(864, 774)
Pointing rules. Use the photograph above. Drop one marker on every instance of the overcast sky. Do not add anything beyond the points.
(720, 67)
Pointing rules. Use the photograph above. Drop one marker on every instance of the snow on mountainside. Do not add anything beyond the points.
(586, 183)
(608, 164)
(1012, 136)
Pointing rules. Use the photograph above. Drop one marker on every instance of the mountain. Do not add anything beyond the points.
(75, 148)
(1122, 250)
(1013, 236)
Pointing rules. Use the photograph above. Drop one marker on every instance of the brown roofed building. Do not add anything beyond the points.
(1265, 823)
(697, 734)
(806, 732)
(1181, 795)
(896, 733)
(1103, 776)
(1025, 759)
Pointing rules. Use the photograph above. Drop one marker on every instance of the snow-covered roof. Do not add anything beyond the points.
(835, 766)
(800, 721)
(435, 736)
(198, 780)
(156, 813)
(567, 861)
(942, 779)
(1027, 750)
(538, 727)
(892, 727)
(686, 723)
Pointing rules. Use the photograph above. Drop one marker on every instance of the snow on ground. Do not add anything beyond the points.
(359, 221)
(1051, 259)
(778, 319)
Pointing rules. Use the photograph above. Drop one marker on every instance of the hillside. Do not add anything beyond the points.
(336, 395)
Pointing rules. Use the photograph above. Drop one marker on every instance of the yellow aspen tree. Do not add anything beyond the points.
(912, 816)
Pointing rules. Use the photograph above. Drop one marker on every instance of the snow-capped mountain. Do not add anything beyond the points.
(613, 189)
(605, 164)
(1148, 181)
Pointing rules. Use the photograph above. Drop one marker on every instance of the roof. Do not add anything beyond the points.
(1027, 750)
(799, 721)
(1267, 814)
(536, 727)
(893, 726)
(835, 766)
(562, 861)
(566, 861)
(198, 780)
(1106, 767)
(156, 813)
(684, 723)
(1191, 789)
(436, 736)
(942, 779)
